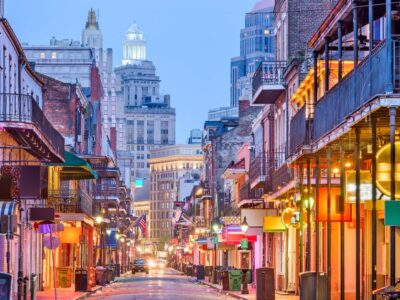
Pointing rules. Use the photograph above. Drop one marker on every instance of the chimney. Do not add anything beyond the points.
(113, 139)
(2, 9)
(244, 106)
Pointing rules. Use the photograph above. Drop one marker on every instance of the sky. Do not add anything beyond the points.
(189, 41)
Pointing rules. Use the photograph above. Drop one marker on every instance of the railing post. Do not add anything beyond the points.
(389, 47)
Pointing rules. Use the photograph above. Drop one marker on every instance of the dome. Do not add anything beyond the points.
(134, 33)
(262, 5)
(134, 46)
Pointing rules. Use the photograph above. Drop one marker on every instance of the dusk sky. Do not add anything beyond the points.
(189, 41)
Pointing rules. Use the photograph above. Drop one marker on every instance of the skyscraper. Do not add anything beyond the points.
(145, 119)
(256, 45)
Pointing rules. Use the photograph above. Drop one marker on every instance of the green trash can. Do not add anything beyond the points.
(235, 280)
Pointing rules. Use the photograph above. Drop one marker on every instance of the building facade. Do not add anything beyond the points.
(146, 119)
(64, 60)
(256, 46)
(169, 166)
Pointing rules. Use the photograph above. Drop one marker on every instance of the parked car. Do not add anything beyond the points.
(140, 265)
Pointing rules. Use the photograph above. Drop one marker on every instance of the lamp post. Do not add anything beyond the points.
(216, 228)
(99, 220)
(245, 290)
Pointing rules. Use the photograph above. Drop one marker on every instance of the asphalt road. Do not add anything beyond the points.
(159, 284)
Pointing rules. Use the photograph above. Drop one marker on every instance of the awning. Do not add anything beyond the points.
(7, 208)
(274, 224)
(201, 241)
(75, 168)
(225, 246)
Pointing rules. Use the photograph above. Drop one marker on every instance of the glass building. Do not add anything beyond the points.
(256, 45)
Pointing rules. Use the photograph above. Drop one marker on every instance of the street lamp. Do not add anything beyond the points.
(244, 225)
(216, 228)
(99, 220)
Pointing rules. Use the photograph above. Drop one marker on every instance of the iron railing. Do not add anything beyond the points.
(298, 130)
(246, 193)
(257, 169)
(24, 109)
(70, 201)
(269, 73)
(106, 192)
(354, 91)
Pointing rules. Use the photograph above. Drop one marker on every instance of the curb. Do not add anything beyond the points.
(228, 293)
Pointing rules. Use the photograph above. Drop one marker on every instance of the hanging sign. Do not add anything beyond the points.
(383, 168)
(51, 242)
(244, 244)
(215, 240)
(392, 213)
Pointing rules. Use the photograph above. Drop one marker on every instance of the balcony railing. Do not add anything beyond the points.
(246, 193)
(19, 108)
(299, 130)
(257, 170)
(269, 76)
(106, 193)
(70, 201)
(357, 88)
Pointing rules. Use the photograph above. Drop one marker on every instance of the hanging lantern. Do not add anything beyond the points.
(287, 216)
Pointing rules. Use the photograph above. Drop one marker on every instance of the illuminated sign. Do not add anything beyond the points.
(138, 183)
(365, 186)
(383, 168)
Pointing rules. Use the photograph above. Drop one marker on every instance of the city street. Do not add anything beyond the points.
(159, 284)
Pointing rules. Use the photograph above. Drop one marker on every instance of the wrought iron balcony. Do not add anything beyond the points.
(22, 117)
(268, 82)
(257, 171)
(248, 195)
(105, 193)
(355, 90)
(70, 201)
(300, 128)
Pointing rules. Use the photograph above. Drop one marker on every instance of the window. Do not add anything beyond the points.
(42, 55)
(53, 55)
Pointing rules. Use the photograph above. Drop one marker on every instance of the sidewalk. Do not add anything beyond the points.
(65, 294)
(62, 294)
(251, 296)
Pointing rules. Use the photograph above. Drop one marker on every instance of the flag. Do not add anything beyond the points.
(141, 223)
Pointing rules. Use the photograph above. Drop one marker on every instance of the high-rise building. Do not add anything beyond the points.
(256, 45)
(196, 136)
(65, 60)
(145, 120)
(171, 168)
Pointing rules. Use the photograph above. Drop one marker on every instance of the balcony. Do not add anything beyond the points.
(235, 170)
(70, 201)
(248, 196)
(106, 193)
(257, 172)
(357, 89)
(22, 117)
(268, 82)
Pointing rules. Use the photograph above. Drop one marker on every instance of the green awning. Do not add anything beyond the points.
(75, 168)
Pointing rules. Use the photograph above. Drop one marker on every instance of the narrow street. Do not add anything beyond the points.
(159, 284)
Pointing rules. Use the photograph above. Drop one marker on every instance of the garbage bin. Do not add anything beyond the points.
(81, 280)
(225, 280)
(101, 274)
(307, 285)
(235, 280)
(33, 286)
(200, 272)
(265, 284)
(5, 285)
(65, 277)
(189, 270)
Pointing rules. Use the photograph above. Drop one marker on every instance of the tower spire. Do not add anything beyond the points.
(91, 20)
